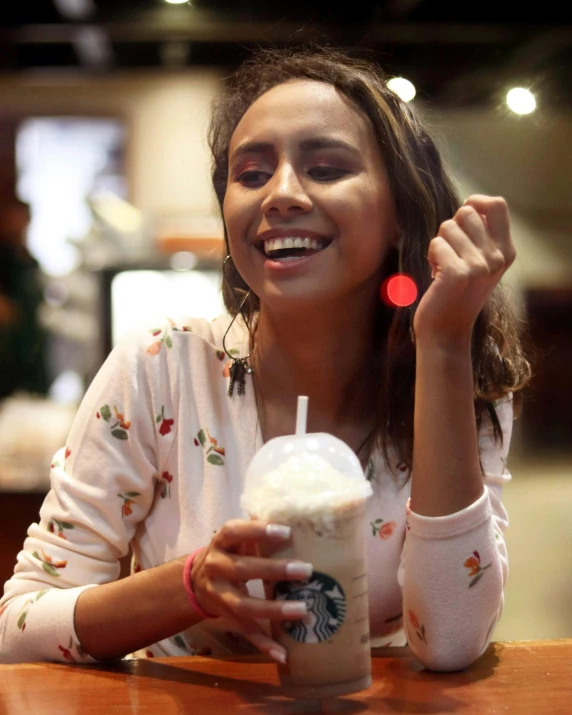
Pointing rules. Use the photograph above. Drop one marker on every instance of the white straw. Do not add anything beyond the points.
(301, 415)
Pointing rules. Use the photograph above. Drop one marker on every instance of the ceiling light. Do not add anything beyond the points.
(178, 2)
(402, 87)
(75, 9)
(521, 100)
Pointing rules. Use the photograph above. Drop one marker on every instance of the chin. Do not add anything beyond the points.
(291, 297)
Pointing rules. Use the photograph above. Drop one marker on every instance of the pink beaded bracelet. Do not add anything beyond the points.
(189, 585)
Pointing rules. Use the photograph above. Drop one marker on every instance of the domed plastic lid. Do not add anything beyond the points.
(279, 450)
(303, 473)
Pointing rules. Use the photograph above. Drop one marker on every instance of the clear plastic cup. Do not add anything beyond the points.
(328, 651)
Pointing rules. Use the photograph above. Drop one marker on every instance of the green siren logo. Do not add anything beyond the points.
(326, 602)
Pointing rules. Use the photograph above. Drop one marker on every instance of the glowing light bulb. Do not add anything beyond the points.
(521, 100)
(402, 87)
(398, 291)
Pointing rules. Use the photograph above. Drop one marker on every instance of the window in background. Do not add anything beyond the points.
(137, 294)
(61, 162)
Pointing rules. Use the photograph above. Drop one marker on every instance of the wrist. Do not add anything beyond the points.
(450, 346)
(188, 583)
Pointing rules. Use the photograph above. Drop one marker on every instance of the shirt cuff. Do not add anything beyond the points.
(451, 525)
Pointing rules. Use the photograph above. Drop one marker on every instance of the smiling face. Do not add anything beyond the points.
(308, 206)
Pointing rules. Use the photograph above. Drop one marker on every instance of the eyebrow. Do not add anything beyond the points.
(306, 145)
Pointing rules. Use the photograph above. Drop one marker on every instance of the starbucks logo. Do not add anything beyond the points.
(326, 602)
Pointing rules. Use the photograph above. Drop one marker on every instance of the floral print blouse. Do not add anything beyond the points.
(155, 461)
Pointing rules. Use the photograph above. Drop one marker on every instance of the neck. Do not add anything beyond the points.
(325, 354)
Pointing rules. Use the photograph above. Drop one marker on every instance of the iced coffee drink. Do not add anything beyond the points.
(314, 484)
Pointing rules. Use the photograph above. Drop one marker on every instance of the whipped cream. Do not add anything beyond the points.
(305, 485)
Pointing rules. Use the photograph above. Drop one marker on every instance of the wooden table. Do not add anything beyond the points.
(515, 677)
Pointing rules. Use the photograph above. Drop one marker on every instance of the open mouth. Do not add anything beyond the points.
(292, 248)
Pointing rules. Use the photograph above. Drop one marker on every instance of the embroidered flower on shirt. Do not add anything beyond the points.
(128, 499)
(166, 424)
(166, 480)
(384, 528)
(419, 628)
(56, 526)
(165, 339)
(473, 563)
(57, 463)
(48, 564)
(214, 451)
(67, 652)
(26, 607)
(119, 426)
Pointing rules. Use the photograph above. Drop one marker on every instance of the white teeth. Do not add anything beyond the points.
(289, 242)
(276, 244)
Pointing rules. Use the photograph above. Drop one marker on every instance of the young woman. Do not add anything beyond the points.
(328, 184)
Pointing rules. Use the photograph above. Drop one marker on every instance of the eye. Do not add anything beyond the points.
(327, 173)
(252, 178)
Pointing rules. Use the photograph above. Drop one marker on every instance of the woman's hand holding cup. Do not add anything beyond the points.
(220, 572)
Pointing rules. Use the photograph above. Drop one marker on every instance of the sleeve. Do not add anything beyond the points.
(453, 568)
(102, 485)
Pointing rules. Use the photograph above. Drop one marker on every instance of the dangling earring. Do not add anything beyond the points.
(240, 366)
(398, 290)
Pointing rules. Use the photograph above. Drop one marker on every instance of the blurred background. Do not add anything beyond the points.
(107, 213)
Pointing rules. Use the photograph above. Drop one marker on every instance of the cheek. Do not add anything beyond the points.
(235, 215)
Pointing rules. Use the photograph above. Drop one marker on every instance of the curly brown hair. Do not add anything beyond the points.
(424, 197)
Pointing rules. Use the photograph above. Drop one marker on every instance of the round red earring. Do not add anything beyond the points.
(398, 290)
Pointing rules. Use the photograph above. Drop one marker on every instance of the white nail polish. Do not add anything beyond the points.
(277, 655)
(299, 569)
(295, 608)
(278, 531)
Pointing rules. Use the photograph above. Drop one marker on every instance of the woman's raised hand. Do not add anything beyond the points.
(468, 257)
(220, 572)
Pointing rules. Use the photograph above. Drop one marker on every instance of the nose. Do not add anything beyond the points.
(286, 194)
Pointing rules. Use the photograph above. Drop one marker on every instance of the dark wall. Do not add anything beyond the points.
(547, 415)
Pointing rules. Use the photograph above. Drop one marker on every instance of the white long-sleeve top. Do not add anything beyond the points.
(156, 460)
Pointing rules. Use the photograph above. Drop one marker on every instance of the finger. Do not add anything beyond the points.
(268, 646)
(471, 222)
(237, 531)
(441, 257)
(463, 246)
(495, 209)
(236, 605)
(221, 564)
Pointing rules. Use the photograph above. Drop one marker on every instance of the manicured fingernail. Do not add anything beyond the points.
(278, 531)
(277, 655)
(294, 608)
(299, 569)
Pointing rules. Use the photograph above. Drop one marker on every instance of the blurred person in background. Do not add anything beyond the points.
(22, 340)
